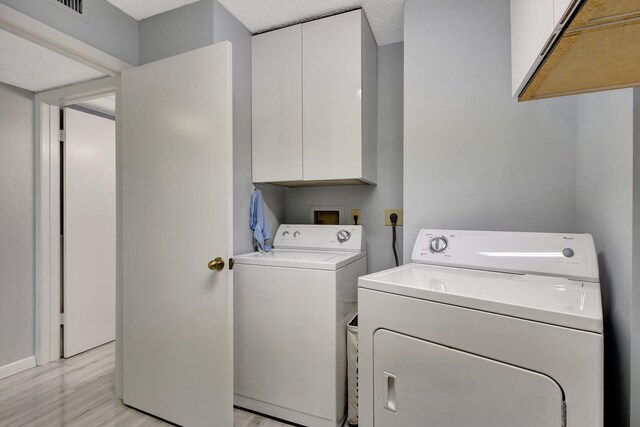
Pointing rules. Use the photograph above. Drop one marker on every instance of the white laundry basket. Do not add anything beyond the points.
(352, 371)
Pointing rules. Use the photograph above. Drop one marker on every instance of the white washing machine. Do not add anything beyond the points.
(484, 329)
(291, 307)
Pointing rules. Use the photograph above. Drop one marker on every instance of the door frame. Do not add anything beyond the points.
(88, 294)
(47, 198)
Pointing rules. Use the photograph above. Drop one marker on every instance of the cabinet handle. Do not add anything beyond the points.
(567, 13)
(548, 45)
(390, 392)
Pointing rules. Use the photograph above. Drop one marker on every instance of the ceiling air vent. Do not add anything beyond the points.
(73, 5)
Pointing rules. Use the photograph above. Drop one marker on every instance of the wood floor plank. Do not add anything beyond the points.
(80, 392)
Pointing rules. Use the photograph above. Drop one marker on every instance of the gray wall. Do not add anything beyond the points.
(373, 200)
(17, 222)
(200, 24)
(473, 157)
(227, 27)
(604, 209)
(176, 31)
(635, 330)
(107, 27)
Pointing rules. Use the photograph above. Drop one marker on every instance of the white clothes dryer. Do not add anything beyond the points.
(484, 329)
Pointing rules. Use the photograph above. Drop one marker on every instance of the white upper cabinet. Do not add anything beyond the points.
(560, 10)
(276, 63)
(532, 22)
(535, 24)
(315, 103)
(339, 63)
(568, 47)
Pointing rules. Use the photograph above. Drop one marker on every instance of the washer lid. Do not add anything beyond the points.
(553, 300)
(308, 259)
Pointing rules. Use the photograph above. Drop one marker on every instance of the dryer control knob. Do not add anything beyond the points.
(343, 236)
(438, 244)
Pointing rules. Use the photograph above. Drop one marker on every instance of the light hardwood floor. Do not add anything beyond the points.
(79, 391)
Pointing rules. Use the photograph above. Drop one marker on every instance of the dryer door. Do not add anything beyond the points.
(419, 383)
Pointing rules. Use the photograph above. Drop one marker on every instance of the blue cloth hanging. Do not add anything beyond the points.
(259, 222)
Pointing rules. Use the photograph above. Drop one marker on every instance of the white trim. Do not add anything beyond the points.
(33, 30)
(79, 92)
(19, 366)
(119, 251)
(55, 254)
(47, 208)
(42, 244)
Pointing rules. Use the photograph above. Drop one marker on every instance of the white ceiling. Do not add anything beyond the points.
(105, 105)
(141, 9)
(29, 66)
(385, 16)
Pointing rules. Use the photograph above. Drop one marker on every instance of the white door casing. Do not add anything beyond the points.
(177, 215)
(89, 231)
(48, 219)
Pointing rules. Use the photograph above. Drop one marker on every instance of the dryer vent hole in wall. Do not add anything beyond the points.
(326, 217)
(74, 5)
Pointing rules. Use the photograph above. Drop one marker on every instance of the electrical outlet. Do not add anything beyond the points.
(387, 214)
(354, 213)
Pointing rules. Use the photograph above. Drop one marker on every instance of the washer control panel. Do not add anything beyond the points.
(343, 235)
(438, 244)
(321, 237)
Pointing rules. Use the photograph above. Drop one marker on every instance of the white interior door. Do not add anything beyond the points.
(89, 284)
(177, 216)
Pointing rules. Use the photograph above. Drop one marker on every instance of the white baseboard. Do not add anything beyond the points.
(19, 366)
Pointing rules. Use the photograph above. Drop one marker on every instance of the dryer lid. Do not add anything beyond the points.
(553, 300)
(552, 254)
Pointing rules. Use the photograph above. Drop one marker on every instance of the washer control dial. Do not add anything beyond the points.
(343, 236)
(285, 233)
(296, 233)
(438, 244)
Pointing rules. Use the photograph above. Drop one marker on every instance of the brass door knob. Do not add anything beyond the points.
(216, 264)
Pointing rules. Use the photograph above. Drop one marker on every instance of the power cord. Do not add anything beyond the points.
(394, 222)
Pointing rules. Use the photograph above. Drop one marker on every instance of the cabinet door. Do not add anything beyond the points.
(532, 23)
(332, 91)
(277, 105)
(560, 7)
(419, 383)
